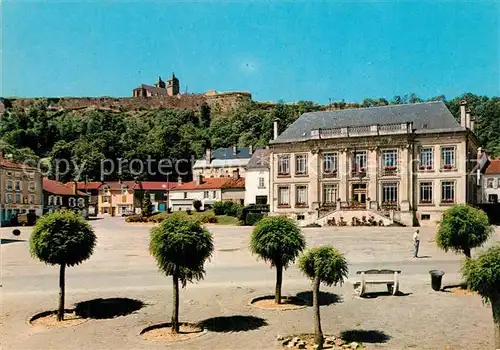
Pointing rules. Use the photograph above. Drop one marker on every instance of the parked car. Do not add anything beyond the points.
(127, 213)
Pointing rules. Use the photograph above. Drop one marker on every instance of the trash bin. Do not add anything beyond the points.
(436, 278)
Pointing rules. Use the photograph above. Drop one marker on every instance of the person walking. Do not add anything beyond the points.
(416, 242)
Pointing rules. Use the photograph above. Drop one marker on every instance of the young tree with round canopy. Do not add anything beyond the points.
(326, 265)
(180, 246)
(278, 240)
(483, 276)
(65, 239)
(462, 228)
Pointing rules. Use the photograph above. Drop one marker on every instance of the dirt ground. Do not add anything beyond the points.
(120, 292)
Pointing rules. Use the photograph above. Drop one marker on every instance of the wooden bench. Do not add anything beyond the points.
(392, 284)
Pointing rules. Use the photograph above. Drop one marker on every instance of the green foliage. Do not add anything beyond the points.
(197, 204)
(253, 218)
(278, 240)
(181, 246)
(326, 263)
(483, 273)
(137, 218)
(227, 208)
(89, 136)
(147, 206)
(62, 238)
(462, 228)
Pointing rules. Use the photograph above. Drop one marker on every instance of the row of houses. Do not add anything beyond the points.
(403, 163)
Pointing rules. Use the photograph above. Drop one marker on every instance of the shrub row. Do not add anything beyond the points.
(204, 218)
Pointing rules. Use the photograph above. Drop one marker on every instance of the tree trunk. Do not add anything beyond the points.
(62, 290)
(279, 279)
(467, 253)
(175, 312)
(495, 306)
(318, 333)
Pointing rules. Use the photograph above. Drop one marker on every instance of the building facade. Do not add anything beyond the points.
(20, 190)
(171, 88)
(92, 191)
(402, 163)
(223, 162)
(208, 191)
(58, 195)
(257, 178)
(158, 191)
(116, 198)
(491, 182)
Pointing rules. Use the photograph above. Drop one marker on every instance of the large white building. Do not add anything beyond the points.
(257, 178)
(403, 163)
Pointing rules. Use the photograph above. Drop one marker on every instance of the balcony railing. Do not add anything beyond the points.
(390, 171)
(327, 174)
(352, 206)
(389, 206)
(366, 130)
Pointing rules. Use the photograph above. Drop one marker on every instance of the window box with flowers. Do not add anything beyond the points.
(281, 175)
(448, 167)
(447, 201)
(300, 205)
(425, 167)
(283, 205)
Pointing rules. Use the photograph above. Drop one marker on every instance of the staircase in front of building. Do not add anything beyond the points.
(357, 214)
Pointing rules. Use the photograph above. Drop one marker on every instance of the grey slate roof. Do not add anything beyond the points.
(227, 153)
(426, 117)
(259, 160)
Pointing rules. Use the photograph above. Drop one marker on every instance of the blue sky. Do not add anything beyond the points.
(276, 50)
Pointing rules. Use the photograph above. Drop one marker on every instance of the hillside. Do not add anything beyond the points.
(86, 136)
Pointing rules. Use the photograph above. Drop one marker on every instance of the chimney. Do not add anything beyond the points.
(236, 174)
(275, 129)
(472, 125)
(250, 149)
(199, 179)
(467, 118)
(208, 155)
(463, 113)
(179, 180)
(235, 150)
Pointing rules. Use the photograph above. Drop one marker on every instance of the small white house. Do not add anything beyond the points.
(208, 191)
(257, 178)
(491, 182)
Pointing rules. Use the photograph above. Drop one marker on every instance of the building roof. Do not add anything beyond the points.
(426, 117)
(493, 167)
(94, 185)
(213, 183)
(225, 157)
(259, 160)
(154, 185)
(158, 90)
(10, 164)
(59, 188)
(117, 185)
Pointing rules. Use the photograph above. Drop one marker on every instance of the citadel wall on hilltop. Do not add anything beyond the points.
(219, 101)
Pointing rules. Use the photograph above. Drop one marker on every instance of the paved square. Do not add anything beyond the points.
(122, 267)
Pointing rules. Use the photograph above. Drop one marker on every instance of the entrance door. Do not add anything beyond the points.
(359, 193)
